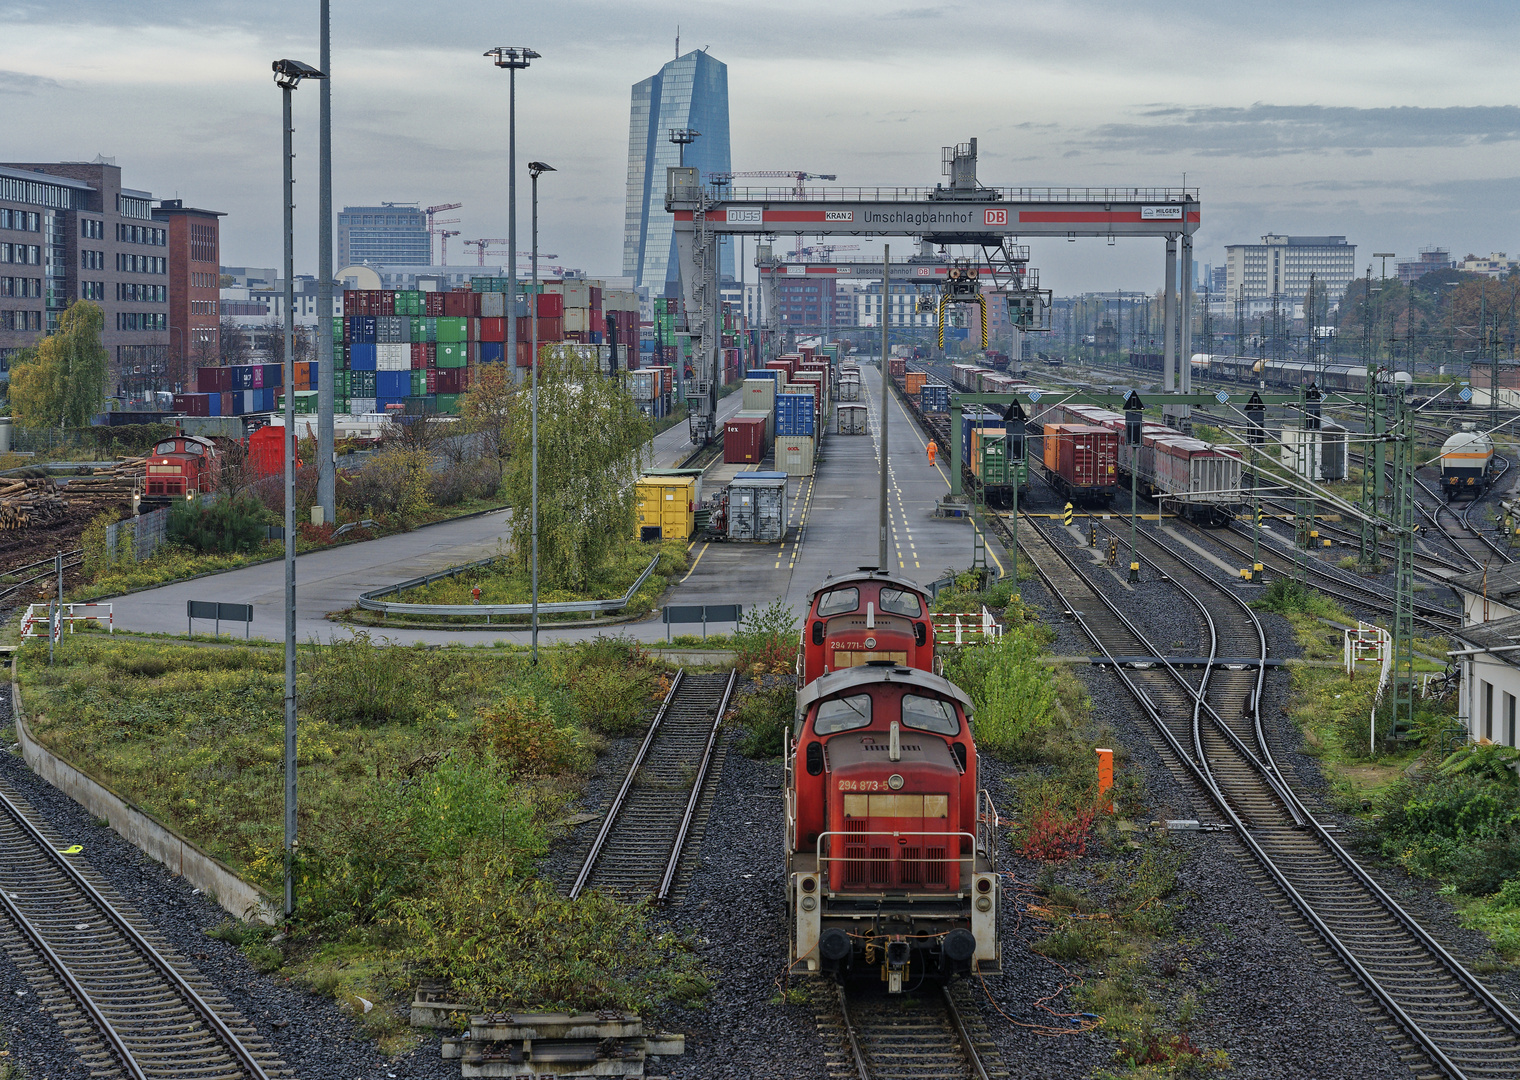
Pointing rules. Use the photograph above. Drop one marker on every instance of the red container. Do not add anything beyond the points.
(551, 328)
(386, 298)
(193, 404)
(452, 380)
(212, 380)
(783, 364)
(743, 440)
(897, 369)
(430, 355)
(432, 304)
(492, 330)
(1085, 455)
(455, 304)
(806, 351)
(432, 380)
(551, 306)
(419, 356)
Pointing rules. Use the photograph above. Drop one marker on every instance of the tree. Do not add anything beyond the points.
(487, 409)
(234, 343)
(62, 380)
(591, 441)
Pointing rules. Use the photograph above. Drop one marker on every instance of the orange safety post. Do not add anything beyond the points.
(1105, 777)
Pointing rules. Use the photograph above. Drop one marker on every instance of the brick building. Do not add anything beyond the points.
(194, 286)
(84, 236)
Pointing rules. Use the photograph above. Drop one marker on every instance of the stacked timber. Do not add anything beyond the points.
(31, 501)
(118, 483)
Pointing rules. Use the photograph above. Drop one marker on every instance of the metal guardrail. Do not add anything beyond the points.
(369, 600)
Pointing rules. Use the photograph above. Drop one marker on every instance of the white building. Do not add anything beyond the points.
(1496, 265)
(1281, 266)
(1488, 650)
(903, 310)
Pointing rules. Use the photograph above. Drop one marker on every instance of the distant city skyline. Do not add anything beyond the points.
(1320, 120)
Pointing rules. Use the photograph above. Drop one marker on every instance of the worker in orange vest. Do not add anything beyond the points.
(933, 451)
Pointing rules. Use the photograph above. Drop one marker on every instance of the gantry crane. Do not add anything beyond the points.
(796, 175)
(825, 252)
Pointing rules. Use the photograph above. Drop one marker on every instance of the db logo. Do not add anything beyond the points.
(995, 217)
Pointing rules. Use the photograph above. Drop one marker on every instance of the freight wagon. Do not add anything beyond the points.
(1285, 374)
(985, 457)
(1195, 479)
(1080, 461)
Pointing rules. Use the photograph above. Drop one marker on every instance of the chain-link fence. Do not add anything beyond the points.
(140, 536)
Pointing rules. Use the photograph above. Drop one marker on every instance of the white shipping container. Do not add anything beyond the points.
(393, 357)
(852, 420)
(578, 318)
(759, 395)
(361, 405)
(794, 455)
(493, 305)
(849, 389)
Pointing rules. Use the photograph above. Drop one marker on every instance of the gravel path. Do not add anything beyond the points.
(316, 1039)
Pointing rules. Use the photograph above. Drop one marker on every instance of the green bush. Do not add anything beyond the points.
(1460, 828)
(355, 682)
(1014, 693)
(221, 525)
(765, 714)
(767, 638)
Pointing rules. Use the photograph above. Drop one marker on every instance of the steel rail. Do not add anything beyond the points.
(1205, 779)
(81, 996)
(616, 806)
(1355, 869)
(861, 1070)
(72, 560)
(166, 971)
(674, 862)
(979, 1071)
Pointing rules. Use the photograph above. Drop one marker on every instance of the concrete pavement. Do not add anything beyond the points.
(832, 519)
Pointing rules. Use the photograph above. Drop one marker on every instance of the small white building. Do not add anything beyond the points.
(1489, 654)
(1488, 594)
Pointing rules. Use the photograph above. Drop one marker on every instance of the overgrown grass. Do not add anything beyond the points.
(767, 638)
(430, 781)
(506, 582)
(765, 713)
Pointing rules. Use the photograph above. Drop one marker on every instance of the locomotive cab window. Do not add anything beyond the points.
(843, 714)
(930, 714)
(164, 447)
(899, 602)
(838, 602)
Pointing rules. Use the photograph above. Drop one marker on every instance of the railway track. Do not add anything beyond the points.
(873, 1036)
(31, 573)
(658, 808)
(1477, 546)
(1441, 1019)
(129, 1007)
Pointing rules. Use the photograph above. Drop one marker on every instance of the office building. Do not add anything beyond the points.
(690, 92)
(71, 231)
(903, 310)
(195, 274)
(1496, 265)
(389, 233)
(1430, 260)
(1280, 266)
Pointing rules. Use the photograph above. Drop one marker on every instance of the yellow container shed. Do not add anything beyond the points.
(666, 507)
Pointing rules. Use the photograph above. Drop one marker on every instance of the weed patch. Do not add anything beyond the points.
(765, 714)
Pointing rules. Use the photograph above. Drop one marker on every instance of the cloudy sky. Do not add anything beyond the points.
(1395, 123)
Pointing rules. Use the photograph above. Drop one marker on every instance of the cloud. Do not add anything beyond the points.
(24, 85)
(1263, 130)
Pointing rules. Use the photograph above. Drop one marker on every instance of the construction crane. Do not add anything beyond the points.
(433, 221)
(795, 175)
(486, 242)
(443, 243)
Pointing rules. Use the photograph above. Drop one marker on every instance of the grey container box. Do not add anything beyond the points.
(393, 329)
(852, 420)
(757, 508)
(493, 305)
(794, 455)
(770, 422)
(849, 388)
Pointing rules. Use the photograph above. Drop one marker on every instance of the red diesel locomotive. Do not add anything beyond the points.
(181, 467)
(891, 849)
(865, 616)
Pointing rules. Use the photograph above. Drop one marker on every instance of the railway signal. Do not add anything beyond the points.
(1015, 425)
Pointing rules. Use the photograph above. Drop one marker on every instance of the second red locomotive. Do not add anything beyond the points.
(865, 616)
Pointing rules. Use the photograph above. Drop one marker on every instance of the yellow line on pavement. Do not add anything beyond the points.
(693, 569)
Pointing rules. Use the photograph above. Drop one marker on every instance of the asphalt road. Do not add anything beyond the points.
(832, 528)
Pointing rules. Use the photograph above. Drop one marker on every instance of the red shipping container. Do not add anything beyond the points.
(551, 328)
(452, 380)
(454, 304)
(193, 404)
(432, 304)
(1084, 455)
(419, 356)
(551, 306)
(492, 330)
(596, 297)
(743, 440)
(430, 354)
(432, 380)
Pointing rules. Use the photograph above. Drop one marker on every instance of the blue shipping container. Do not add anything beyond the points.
(794, 414)
(214, 404)
(492, 352)
(764, 373)
(361, 356)
(393, 384)
(974, 416)
(361, 328)
(934, 397)
(274, 375)
(270, 399)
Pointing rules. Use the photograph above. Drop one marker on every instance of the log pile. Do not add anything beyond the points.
(29, 501)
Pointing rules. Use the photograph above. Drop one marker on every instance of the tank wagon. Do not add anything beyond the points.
(891, 858)
(1467, 465)
(864, 616)
(1198, 480)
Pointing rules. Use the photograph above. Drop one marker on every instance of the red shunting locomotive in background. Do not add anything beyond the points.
(181, 467)
(862, 617)
(891, 849)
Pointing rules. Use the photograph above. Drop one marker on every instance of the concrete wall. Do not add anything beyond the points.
(238, 897)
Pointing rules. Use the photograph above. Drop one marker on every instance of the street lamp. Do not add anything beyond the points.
(287, 76)
(513, 58)
(535, 168)
(683, 137)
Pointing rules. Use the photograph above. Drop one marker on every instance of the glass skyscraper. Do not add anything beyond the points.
(689, 92)
(383, 235)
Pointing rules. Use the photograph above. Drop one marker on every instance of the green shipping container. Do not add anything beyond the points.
(362, 384)
(341, 383)
(409, 302)
(424, 328)
(453, 354)
(452, 328)
(419, 383)
(306, 401)
(448, 403)
(337, 325)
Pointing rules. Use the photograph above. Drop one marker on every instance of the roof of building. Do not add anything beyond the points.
(1496, 583)
(1495, 634)
(44, 178)
(177, 206)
